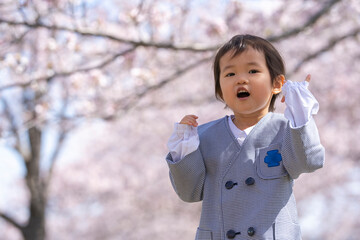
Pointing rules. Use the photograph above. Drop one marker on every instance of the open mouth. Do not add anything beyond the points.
(243, 94)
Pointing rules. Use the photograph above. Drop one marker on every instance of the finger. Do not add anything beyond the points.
(189, 123)
(193, 116)
(189, 120)
(283, 99)
(308, 77)
(193, 123)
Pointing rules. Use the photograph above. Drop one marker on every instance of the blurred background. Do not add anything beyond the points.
(90, 90)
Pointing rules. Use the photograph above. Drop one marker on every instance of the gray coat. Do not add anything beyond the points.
(247, 190)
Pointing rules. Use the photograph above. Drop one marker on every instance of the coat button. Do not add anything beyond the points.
(230, 184)
(231, 234)
(251, 231)
(250, 181)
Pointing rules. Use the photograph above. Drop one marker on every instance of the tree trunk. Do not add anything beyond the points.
(35, 228)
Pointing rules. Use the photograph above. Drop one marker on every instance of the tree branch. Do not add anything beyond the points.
(65, 74)
(126, 103)
(12, 121)
(60, 142)
(83, 32)
(326, 48)
(54, 157)
(129, 102)
(11, 221)
(194, 48)
(311, 21)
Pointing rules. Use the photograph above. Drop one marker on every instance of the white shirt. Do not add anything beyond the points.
(300, 106)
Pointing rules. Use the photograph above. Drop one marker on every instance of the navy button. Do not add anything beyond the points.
(230, 184)
(231, 234)
(250, 181)
(251, 231)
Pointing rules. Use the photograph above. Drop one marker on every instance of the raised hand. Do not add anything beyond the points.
(190, 120)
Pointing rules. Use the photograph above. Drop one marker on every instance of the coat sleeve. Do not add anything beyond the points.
(187, 176)
(302, 151)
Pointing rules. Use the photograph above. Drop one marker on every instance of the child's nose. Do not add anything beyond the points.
(242, 79)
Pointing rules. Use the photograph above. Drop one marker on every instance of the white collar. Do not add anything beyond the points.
(239, 134)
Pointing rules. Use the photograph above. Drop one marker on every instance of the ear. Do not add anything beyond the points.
(278, 83)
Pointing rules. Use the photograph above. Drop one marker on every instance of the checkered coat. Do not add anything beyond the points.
(247, 190)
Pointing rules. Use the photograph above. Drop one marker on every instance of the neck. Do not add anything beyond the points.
(244, 121)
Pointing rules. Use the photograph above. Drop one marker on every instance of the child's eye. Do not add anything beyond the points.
(230, 74)
(253, 71)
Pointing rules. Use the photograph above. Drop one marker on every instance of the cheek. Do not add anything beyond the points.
(263, 92)
(224, 88)
(265, 86)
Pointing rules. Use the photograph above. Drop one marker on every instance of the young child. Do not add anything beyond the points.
(243, 166)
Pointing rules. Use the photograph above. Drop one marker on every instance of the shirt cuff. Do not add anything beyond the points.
(300, 103)
(183, 141)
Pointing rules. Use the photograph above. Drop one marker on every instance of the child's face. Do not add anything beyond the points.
(246, 83)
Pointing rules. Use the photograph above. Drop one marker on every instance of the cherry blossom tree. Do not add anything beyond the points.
(89, 91)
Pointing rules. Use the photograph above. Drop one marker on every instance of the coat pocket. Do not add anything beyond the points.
(269, 162)
(203, 234)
